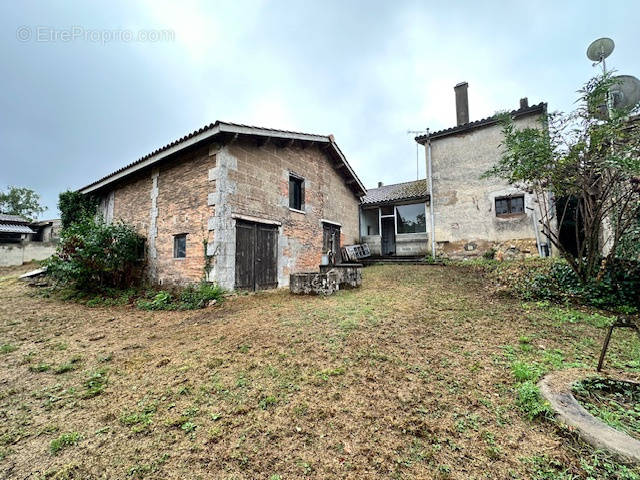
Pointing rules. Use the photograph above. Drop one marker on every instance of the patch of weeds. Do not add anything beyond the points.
(244, 348)
(307, 467)
(525, 343)
(190, 298)
(41, 367)
(301, 409)
(63, 441)
(95, 384)
(59, 346)
(214, 434)
(71, 365)
(267, 401)
(523, 371)
(469, 421)
(541, 467)
(530, 401)
(140, 419)
(188, 427)
(615, 402)
(275, 476)
(7, 348)
(330, 372)
(141, 470)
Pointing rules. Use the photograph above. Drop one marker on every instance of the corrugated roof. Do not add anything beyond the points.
(12, 228)
(208, 132)
(485, 122)
(4, 217)
(417, 189)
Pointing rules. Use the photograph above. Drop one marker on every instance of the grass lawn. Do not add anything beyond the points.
(421, 373)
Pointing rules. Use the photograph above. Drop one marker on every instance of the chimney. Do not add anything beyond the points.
(524, 103)
(379, 184)
(462, 103)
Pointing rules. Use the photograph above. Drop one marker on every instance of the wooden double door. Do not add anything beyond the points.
(256, 256)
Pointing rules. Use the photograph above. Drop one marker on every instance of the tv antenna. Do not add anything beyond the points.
(599, 50)
(417, 132)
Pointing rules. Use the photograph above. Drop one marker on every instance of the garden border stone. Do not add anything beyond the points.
(556, 388)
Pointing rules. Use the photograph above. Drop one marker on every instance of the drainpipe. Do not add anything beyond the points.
(431, 212)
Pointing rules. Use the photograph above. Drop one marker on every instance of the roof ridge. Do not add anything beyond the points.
(400, 183)
(482, 121)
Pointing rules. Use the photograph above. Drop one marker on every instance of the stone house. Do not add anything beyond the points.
(471, 215)
(238, 205)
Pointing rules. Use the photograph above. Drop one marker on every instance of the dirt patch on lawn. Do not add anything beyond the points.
(407, 377)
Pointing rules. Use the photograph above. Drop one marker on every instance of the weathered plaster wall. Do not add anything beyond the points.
(258, 186)
(12, 254)
(464, 204)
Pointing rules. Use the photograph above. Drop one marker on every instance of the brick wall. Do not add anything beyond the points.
(183, 188)
(181, 203)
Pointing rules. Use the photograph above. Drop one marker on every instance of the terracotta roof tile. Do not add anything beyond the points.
(417, 189)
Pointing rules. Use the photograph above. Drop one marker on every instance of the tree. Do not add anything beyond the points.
(590, 156)
(75, 206)
(21, 201)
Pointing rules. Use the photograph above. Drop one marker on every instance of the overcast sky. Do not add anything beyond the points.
(75, 109)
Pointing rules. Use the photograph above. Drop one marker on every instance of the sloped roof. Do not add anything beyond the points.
(485, 122)
(208, 132)
(4, 217)
(415, 190)
(13, 228)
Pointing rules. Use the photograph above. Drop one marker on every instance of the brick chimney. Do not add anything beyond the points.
(379, 184)
(462, 103)
(524, 103)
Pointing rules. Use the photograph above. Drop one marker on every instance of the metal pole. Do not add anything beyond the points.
(431, 200)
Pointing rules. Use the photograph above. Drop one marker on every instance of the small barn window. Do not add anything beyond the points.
(296, 192)
(180, 246)
(509, 205)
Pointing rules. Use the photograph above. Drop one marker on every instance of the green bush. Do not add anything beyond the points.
(75, 206)
(191, 298)
(93, 256)
(554, 280)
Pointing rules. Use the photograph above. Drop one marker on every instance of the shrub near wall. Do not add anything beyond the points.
(554, 280)
(94, 255)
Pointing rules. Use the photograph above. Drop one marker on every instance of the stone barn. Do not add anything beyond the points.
(237, 205)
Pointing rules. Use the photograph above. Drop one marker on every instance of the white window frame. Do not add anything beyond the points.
(395, 219)
(395, 211)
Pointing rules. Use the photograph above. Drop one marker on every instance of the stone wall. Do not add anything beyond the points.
(168, 200)
(464, 204)
(257, 185)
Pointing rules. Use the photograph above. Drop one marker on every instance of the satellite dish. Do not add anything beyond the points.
(626, 92)
(600, 49)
